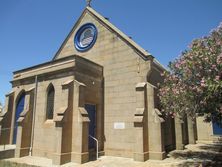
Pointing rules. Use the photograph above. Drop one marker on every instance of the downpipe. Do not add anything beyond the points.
(33, 115)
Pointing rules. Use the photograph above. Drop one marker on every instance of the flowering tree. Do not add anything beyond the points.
(194, 83)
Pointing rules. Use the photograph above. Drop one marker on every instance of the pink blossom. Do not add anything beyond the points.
(177, 65)
(202, 80)
(219, 59)
(203, 84)
(213, 66)
(217, 78)
(183, 62)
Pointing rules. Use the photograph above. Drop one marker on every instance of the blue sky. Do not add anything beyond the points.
(31, 31)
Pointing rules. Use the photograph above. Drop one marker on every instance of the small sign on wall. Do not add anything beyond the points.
(119, 125)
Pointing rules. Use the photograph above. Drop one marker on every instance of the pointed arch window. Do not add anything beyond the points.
(50, 102)
(19, 109)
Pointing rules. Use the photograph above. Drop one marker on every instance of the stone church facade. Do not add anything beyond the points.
(100, 85)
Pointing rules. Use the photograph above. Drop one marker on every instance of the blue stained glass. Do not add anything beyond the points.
(19, 109)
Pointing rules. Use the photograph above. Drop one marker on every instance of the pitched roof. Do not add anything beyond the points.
(142, 52)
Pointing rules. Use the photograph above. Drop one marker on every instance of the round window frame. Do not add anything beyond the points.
(79, 33)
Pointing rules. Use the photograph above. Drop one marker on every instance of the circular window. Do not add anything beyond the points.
(85, 37)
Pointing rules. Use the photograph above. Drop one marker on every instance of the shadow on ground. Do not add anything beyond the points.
(209, 155)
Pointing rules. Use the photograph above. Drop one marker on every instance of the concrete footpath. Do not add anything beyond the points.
(198, 155)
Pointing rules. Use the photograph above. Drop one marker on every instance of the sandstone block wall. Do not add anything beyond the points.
(123, 69)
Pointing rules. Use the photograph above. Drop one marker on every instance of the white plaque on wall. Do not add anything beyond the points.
(119, 125)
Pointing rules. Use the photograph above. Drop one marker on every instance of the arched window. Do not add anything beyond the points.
(50, 102)
(19, 108)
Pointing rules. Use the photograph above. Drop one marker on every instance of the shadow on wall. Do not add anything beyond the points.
(7, 154)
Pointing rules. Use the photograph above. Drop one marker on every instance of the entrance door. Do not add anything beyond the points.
(217, 129)
(91, 109)
(19, 109)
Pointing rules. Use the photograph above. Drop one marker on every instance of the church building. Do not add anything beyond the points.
(98, 93)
